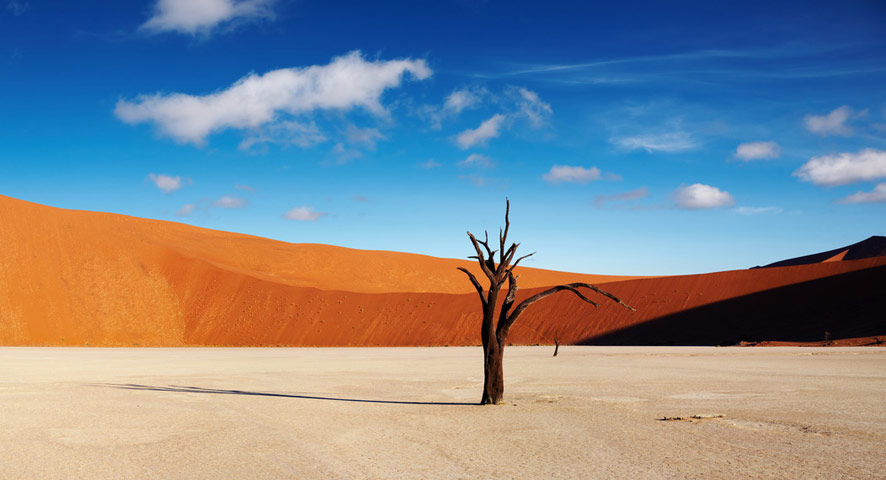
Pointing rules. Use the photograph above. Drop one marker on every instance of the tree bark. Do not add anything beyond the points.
(493, 382)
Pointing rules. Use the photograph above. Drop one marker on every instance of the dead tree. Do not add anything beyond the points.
(494, 334)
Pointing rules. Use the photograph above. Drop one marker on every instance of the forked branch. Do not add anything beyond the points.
(481, 259)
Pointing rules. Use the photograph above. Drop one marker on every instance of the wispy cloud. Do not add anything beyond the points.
(244, 187)
(430, 164)
(230, 202)
(205, 205)
(636, 194)
(575, 174)
(286, 133)
(532, 107)
(18, 7)
(833, 123)
(457, 101)
(844, 168)
(878, 195)
(464, 98)
(757, 151)
(475, 180)
(476, 160)
(303, 214)
(480, 135)
(186, 210)
(346, 83)
(363, 137)
(757, 210)
(167, 183)
(705, 67)
(699, 196)
(194, 17)
(669, 142)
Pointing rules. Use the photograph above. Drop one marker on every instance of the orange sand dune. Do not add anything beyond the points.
(74, 277)
(83, 278)
(78, 236)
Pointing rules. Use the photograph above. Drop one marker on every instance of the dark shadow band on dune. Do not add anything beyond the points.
(848, 305)
(871, 247)
(182, 389)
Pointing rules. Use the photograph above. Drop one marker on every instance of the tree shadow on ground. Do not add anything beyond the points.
(216, 391)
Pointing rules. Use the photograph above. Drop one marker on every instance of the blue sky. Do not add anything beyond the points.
(637, 138)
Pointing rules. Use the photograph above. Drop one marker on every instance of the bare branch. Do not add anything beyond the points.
(509, 255)
(521, 258)
(604, 293)
(490, 254)
(572, 287)
(476, 285)
(484, 264)
(485, 244)
(503, 234)
(507, 217)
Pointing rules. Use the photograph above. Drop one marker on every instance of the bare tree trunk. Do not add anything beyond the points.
(556, 345)
(493, 377)
(493, 382)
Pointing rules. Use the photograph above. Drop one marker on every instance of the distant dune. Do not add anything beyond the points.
(871, 247)
(86, 278)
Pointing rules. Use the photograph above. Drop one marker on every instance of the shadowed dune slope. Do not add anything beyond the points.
(85, 278)
(850, 305)
(871, 247)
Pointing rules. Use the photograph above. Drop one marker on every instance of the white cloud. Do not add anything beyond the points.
(229, 202)
(186, 210)
(698, 196)
(756, 210)
(201, 16)
(533, 108)
(429, 164)
(488, 129)
(843, 168)
(347, 82)
(878, 195)
(244, 187)
(165, 182)
(662, 142)
(757, 151)
(304, 213)
(476, 159)
(577, 174)
(833, 123)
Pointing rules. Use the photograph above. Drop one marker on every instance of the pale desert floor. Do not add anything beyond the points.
(591, 412)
